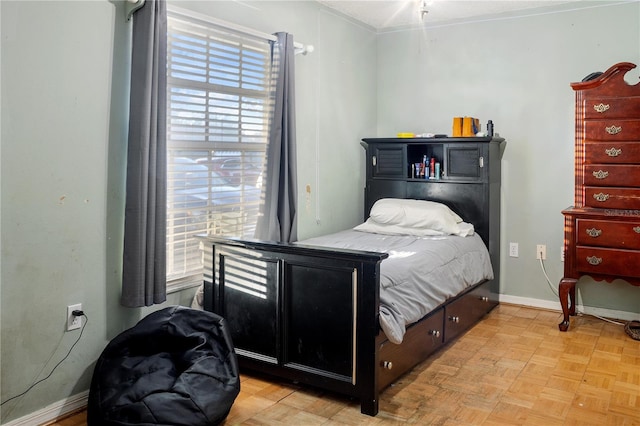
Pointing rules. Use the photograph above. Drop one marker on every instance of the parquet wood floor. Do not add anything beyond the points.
(513, 368)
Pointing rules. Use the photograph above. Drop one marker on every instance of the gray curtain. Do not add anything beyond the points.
(144, 257)
(278, 221)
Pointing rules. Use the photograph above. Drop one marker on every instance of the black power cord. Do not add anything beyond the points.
(75, 313)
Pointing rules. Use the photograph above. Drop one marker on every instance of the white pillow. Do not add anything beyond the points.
(414, 213)
(462, 229)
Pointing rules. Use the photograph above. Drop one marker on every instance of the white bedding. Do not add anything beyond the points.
(420, 273)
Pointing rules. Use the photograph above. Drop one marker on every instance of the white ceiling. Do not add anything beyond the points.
(382, 14)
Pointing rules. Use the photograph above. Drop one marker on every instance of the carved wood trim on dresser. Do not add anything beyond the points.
(602, 229)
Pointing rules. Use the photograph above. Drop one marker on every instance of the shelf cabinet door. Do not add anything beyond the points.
(388, 160)
(464, 162)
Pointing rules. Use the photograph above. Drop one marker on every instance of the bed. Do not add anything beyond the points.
(321, 312)
(328, 311)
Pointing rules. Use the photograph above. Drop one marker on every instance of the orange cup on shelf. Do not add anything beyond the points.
(456, 131)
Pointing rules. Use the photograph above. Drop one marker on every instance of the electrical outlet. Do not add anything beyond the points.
(541, 252)
(513, 249)
(73, 322)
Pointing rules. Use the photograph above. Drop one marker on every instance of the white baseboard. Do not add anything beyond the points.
(555, 306)
(53, 411)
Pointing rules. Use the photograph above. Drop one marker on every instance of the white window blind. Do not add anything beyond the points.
(218, 84)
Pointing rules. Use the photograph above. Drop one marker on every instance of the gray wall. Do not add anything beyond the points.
(64, 123)
(515, 72)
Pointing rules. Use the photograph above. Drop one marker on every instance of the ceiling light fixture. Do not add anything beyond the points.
(422, 10)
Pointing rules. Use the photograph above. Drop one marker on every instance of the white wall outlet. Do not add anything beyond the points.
(73, 322)
(513, 249)
(541, 252)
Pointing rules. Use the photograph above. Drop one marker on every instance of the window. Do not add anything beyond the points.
(218, 97)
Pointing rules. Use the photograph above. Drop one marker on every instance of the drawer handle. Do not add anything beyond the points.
(636, 229)
(454, 319)
(613, 152)
(601, 108)
(387, 365)
(374, 160)
(435, 333)
(600, 174)
(484, 298)
(601, 197)
(613, 130)
(593, 260)
(593, 232)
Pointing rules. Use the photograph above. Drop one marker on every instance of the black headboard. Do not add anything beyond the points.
(474, 194)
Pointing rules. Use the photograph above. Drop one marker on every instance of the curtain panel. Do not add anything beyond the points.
(278, 221)
(144, 256)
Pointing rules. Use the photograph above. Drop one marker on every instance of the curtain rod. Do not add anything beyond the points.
(299, 47)
(132, 5)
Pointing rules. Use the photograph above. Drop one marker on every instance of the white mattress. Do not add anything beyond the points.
(420, 274)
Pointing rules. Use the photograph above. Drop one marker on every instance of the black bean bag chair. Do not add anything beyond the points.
(175, 367)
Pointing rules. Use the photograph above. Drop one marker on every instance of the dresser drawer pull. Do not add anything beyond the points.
(636, 229)
(613, 130)
(434, 333)
(613, 152)
(593, 232)
(454, 319)
(484, 298)
(601, 197)
(593, 260)
(601, 108)
(387, 365)
(600, 174)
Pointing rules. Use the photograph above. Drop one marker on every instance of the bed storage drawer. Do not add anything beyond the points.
(465, 311)
(419, 341)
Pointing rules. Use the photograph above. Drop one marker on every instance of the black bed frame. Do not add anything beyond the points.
(310, 314)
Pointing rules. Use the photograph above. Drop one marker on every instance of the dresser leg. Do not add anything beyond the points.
(567, 293)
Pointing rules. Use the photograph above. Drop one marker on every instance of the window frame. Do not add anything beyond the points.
(244, 145)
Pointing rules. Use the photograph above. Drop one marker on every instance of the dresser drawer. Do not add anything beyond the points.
(609, 233)
(612, 107)
(611, 175)
(614, 153)
(612, 130)
(612, 198)
(623, 263)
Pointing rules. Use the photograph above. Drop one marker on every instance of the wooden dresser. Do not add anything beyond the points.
(602, 229)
